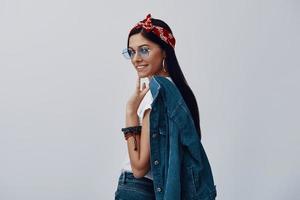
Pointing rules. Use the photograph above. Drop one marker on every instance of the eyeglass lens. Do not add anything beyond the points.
(130, 53)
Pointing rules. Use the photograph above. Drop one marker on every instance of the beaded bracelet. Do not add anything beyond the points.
(132, 132)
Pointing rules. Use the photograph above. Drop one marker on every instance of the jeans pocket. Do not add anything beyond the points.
(136, 189)
(133, 194)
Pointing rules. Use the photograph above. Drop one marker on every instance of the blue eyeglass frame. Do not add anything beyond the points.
(140, 52)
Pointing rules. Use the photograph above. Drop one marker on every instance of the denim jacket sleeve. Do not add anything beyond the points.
(179, 165)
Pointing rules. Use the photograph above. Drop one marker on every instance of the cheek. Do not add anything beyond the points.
(156, 62)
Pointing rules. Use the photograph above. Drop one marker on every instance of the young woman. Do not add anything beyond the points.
(165, 157)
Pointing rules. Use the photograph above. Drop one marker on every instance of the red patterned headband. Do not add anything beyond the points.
(162, 33)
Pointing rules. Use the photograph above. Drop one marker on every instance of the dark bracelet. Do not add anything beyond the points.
(132, 132)
(132, 129)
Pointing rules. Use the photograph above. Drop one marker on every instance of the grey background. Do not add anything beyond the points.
(64, 85)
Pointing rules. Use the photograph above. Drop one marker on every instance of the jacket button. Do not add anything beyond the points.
(154, 135)
(158, 189)
(156, 162)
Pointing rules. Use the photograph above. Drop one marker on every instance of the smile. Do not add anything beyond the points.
(141, 66)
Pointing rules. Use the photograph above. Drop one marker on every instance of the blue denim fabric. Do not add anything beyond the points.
(180, 167)
(131, 188)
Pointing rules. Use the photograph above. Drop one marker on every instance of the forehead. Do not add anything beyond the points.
(138, 40)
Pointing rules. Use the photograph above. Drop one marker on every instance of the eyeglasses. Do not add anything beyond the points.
(143, 52)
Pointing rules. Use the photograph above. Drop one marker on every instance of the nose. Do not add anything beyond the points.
(136, 57)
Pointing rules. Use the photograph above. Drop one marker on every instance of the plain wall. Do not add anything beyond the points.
(64, 85)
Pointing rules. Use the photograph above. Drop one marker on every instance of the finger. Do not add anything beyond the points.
(143, 93)
(145, 90)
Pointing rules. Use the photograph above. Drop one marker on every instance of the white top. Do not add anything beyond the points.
(144, 105)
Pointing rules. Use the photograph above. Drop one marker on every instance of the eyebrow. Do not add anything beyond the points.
(140, 46)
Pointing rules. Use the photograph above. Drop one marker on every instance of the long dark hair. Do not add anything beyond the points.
(173, 68)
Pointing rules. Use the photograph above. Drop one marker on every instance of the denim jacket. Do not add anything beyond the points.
(179, 165)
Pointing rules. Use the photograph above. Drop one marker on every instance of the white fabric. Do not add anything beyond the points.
(144, 105)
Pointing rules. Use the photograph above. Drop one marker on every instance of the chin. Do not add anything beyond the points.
(142, 75)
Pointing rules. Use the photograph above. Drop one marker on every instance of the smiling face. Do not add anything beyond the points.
(148, 56)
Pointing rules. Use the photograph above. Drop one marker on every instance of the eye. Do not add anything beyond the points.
(144, 50)
(130, 52)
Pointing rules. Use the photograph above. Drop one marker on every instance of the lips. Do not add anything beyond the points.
(139, 67)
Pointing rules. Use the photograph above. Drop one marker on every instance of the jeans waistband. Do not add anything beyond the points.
(128, 176)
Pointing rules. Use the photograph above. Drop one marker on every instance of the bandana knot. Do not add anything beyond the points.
(161, 32)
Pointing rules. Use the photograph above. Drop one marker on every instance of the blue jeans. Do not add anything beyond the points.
(131, 188)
